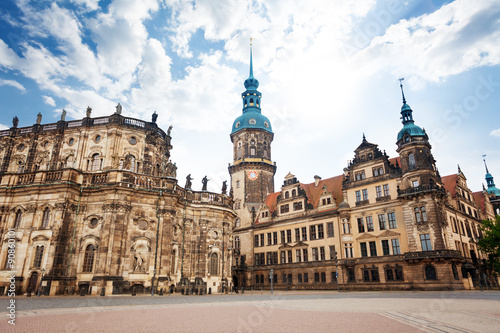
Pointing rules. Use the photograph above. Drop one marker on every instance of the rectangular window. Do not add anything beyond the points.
(425, 241)
(378, 191)
(290, 279)
(374, 275)
(282, 234)
(381, 221)
(306, 278)
(364, 252)
(284, 209)
(252, 151)
(366, 275)
(323, 277)
(297, 205)
(334, 276)
(275, 257)
(389, 275)
(385, 247)
(283, 257)
(395, 246)
(369, 223)
(312, 234)
(322, 253)
(284, 278)
(373, 249)
(329, 229)
(304, 233)
(269, 258)
(37, 263)
(351, 277)
(347, 227)
(289, 236)
(332, 252)
(358, 196)
(392, 220)
(298, 255)
(297, 234)
(365, 194)
(361, 225)
(399, 274)
(275, 237)
(256, 241)
(299, 278)
(269, 239)
(305, 255)
(386, 190)
(414, 183)
(290, 259)
(257, 262)
(316, 277)
(262, 258)
(321, 232)
(314, 254)
(348, 250)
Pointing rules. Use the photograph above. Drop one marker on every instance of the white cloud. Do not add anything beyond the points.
(455, 38)
(12, 83)
(49, 100)
(495, 133)
(3, 127)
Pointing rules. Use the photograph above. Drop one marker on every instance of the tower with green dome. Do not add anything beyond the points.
(421, 188)
(252, 171)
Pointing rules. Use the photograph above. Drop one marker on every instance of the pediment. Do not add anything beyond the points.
(389, 233)
(301, 244)
(366, 236)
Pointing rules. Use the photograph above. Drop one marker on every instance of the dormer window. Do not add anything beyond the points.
(360, 175)
(287, 194)
(284, 209)
(294, 193)
(297, 205)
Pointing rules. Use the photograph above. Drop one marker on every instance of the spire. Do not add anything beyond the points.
(459, 171)
(484, 160)
(402, 92)
(251, 62)
(364, 138)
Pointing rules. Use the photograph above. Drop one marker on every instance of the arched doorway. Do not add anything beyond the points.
(33, 282)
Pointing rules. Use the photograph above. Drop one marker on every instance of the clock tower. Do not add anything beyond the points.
(252, 171)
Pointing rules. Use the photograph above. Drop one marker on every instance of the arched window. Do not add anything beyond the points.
(129, 163)
(430, 273)
(424, 214)
(411, 161)
(418, 217)
(88, 259)
(251, 101)
(45, 218)
(237, 242)
(17, 221)
(294, 193)
(420, 214)
(173, 262)
(214, 264)
(95, 162)
(37, 262)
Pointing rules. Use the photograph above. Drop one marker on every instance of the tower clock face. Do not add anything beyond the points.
(252, 175)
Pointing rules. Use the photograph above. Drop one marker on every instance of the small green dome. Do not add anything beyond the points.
(410, 129)
(252, 119)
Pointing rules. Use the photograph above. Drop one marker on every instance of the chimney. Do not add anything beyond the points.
(316, 180)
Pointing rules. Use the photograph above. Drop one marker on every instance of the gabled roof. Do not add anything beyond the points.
(450, 183)
(333, 185)
(271, 201)
(479, 198)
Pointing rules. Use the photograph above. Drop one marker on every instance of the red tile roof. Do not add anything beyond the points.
(450, 183)
(479, 198)
(313, 192)
(394, 160)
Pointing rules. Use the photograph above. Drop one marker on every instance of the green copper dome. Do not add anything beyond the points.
(409, 126)
(252, 116)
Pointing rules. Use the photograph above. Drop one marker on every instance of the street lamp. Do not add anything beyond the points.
(40, 286)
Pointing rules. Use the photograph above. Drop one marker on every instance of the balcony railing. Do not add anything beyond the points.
(436, 254)
(424, 188)
(362, 203)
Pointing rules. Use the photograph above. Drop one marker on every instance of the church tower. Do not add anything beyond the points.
(422, 191)
(252, 171)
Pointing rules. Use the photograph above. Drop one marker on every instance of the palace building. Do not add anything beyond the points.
(94, 206)
(383, 224)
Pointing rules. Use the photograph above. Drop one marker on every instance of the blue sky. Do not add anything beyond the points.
(328, 72)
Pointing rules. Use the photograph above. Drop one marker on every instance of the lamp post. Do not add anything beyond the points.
(223, 254)
(41, 279)
(337, 270)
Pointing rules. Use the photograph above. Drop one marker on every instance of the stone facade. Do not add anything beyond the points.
(95, 206)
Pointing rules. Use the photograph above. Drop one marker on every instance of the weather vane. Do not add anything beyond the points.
(402, 92)
(251, 40)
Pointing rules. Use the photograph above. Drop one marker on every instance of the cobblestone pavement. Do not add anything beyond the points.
(260, 312)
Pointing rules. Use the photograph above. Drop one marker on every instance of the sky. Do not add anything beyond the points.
(328, 73)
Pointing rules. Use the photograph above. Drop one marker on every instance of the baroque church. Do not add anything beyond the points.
(382, 224)
(93, 206)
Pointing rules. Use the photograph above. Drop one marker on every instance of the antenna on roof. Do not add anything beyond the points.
(402, 92)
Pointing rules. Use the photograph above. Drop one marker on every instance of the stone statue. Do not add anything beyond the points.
(154, 117)
(63, 115)
(188, 181)
(89, 111)
(204, 181)
(138, 262)
(38, 118)
(224, 187)
(174, 170)
(118, 109)
(15, 122)
(169, 130)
